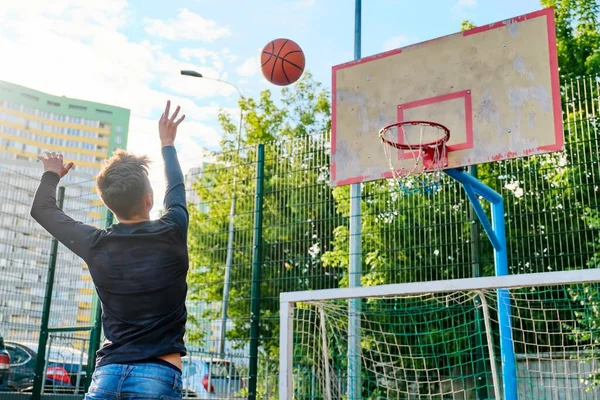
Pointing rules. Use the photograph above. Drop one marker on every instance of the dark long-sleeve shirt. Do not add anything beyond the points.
(139, 270)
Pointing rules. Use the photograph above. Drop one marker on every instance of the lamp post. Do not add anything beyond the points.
(229, 257)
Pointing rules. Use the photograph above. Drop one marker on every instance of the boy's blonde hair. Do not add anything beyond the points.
(123, 183)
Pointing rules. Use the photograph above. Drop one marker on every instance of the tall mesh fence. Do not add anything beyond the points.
(551, 211)
(25, 259)
(24, 255)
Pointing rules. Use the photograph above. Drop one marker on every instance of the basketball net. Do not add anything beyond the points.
(410, 145)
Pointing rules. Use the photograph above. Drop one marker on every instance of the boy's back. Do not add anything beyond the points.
(139, 271)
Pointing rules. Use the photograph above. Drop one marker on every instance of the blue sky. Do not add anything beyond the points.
(325, 28)
(129, 52)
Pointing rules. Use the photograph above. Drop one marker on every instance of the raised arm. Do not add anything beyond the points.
(174, 202)
(75, 235)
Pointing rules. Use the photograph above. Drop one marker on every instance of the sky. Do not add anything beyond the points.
(129, 53)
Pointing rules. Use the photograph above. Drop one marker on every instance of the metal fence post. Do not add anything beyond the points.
(256, 266)
(96, 332)
(354, 378)
(40, 362)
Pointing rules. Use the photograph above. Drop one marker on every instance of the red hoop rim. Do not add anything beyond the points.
(436, 143)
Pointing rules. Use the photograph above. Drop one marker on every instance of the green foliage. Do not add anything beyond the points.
(405, 237)
(298, 207)
(466, 25)
(578, 37)
(587, 298)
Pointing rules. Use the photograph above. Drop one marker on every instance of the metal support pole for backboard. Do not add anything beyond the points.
(497, 235)
(355, 267)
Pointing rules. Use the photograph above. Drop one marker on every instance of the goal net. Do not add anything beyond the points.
(438, 340)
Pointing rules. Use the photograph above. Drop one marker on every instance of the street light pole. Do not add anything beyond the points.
(229, 257)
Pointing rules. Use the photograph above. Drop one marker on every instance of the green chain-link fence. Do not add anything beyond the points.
(32, 311)
(551, 204)
(552, 217)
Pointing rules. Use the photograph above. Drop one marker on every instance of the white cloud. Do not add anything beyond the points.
(189, 152)
(462, 9)
(398, 41)
(187, 26)
(204, 56)
(249, 67)
(73, 48)
(228, 55)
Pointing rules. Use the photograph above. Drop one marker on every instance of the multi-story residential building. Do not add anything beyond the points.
(84, 132)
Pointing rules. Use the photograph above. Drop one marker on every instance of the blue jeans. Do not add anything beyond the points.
(139, 382)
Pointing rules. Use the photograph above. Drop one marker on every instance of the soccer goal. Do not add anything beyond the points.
(441, 339)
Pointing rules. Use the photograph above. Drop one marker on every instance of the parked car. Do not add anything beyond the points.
(4, 366)
(65, 367)
(207, 378)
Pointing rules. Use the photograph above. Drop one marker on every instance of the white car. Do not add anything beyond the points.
(211, 378)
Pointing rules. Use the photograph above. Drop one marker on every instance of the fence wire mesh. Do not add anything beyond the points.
(551, 212)
(24, 255)
(552, 216)
(25, 259)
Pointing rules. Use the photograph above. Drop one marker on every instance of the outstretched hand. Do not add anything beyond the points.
(167, 127)
(54, 163)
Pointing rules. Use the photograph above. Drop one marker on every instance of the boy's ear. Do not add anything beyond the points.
(149, 199)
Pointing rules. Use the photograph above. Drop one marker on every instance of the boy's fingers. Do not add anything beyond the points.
(167, 108)
(180, 120)
(175, 113)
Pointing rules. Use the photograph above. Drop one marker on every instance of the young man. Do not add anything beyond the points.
(138, 267)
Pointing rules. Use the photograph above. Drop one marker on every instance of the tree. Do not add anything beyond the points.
(555, 183)
(578, 38)
(408, 237)
(298, 208)
(405, 236)
(466, 25)
(587, 313)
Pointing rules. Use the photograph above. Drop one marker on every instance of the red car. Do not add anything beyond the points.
(4, 366)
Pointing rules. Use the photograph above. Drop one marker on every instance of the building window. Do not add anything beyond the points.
(53, 103)
(30, 97)
(103, 111)
(76, 107)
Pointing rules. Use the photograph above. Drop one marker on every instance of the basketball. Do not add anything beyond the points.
(282, 62)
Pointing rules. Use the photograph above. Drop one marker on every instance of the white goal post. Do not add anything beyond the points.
(528, 295)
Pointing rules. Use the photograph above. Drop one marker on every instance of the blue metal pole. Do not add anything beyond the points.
(355, 262)
(497, 235)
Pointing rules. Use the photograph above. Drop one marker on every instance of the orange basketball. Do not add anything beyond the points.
(282, 62)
